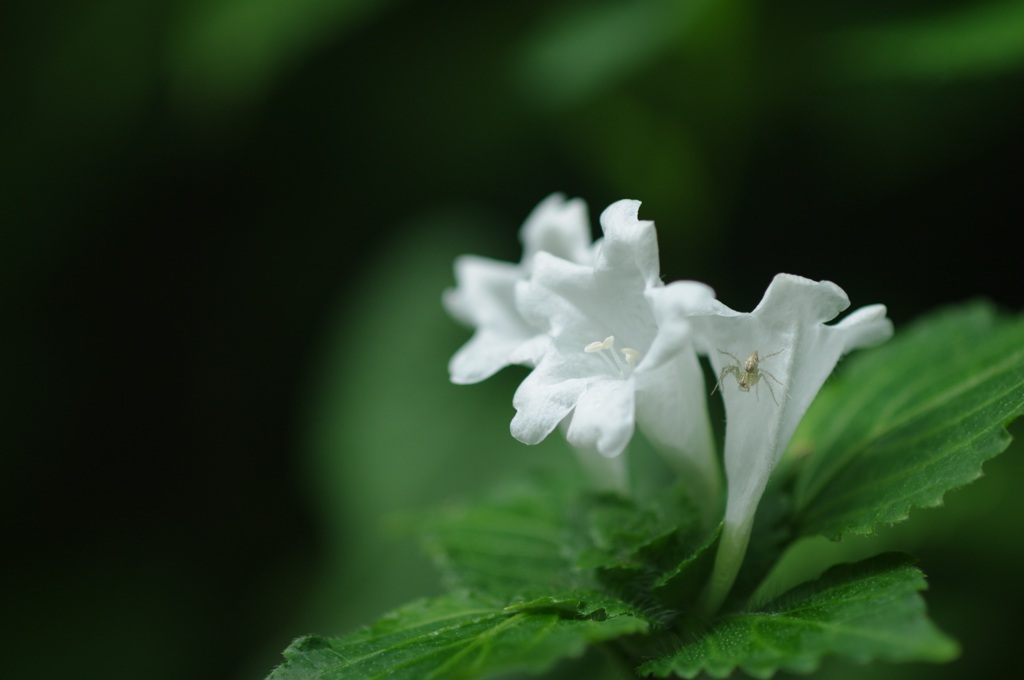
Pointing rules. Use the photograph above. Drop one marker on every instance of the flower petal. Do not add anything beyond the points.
(604, 417)
(550, 298)
(671, 306)
(796, 299)
(770, 365)
(609, 295)
(870, 324)
(484, 298)
(483, 292)
(544, 399)
(487, 352)
(557, 226)
(630, 244)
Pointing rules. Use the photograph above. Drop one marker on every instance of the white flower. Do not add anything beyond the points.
(616, 358)
(484, 296)
(771, 364)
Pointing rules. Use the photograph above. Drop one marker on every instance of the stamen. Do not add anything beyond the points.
(622, 365)
(607, 343)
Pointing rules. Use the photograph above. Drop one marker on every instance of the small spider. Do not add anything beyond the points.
(748, 374)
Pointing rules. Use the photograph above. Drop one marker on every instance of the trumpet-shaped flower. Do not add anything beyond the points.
(484, 296)
(616, 357)
(770, 365)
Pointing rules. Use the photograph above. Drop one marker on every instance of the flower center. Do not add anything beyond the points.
(622, 362)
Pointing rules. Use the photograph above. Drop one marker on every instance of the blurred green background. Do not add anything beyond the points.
(226, 225)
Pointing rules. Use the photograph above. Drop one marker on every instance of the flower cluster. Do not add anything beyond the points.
(613, 348)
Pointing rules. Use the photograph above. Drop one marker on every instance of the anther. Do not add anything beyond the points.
(607, 343)
(623, 365)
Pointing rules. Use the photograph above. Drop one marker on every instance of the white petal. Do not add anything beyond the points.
(604, 417)
(557, 226)
(671, 306)
(556, 289)
(487, 352)
(822, 347)
(683, 298)
(544, 399)
(485, 292)
(671, 398)
(610, 299)
(606, 474)
(485, 298)
(482, 356)
(672, 412)
(630, 244)
(793, 299)
(796, 352)
(868, 326)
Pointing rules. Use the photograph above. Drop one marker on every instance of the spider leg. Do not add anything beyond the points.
(777, 381)
(770, 390)
(721, 377)
(768, 356)
(733, 356)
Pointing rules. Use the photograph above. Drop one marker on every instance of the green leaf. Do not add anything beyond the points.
(621, 534)
(685, 579)
(909, 421)
(545, 536)
(512, 544)
(462, 636)
(866, 611)
(654, 552)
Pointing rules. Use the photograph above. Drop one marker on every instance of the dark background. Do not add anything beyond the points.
(226, 225)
